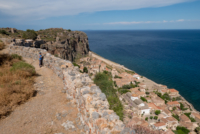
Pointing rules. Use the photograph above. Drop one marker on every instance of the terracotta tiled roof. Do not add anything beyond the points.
(183, 117)
(173, 90)
(196, 115)
(173, 103)
(153, 106)
(159, 124)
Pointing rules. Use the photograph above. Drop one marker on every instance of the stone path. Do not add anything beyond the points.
(48, 112)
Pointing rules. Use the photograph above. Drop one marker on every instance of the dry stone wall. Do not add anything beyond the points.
(94, 114)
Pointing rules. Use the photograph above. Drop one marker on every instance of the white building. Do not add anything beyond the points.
(136, 76)
(159, 126)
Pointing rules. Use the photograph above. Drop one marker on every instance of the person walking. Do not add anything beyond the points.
(40, 59)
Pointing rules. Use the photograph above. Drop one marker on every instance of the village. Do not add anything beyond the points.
(145, 102)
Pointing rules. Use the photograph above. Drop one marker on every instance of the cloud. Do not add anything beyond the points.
(40, 9)
(145, 22)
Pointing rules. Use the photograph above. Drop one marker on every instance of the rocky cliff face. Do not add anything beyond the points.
(70, 45)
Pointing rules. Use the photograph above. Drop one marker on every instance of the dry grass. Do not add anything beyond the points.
(16, 85)
(1, 45)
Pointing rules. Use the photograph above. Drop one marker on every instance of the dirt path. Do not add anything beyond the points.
(45, 113)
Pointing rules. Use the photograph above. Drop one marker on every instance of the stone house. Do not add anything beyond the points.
(189, 125)
(136, 76)
(172, 122)
(163, 91)
(173, 92)
(159, 126)
(114, 72)
(153, 107)
(142, 86)
(158, 101)
(196, 116)
(153, 95)
(140, 94)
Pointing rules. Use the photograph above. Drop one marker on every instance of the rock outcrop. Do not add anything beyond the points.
(68, 45)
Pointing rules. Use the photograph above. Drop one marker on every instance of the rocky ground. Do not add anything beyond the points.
(48, 112)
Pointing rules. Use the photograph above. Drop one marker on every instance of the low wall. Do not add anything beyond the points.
(94, 114)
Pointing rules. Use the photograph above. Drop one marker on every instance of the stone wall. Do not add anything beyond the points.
(94, 114)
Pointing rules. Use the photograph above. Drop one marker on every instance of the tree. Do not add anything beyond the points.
(174, 108)
(155, 117)
(85, 70)
(183, 129)
(157, 112)
(151, 117)
(146, 118)
(143, 99)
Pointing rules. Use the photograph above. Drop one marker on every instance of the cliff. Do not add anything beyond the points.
(66, 44)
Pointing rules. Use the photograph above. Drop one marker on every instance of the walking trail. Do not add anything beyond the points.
(48, 112)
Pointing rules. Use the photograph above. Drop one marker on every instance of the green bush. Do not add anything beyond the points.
(146, 118)
(182, 130)
(4, 32)
(105, 83)
(123, 91)
(76, 64)
(182, 107)
(16, 56)
(85, 70)
(155, 117)
(29, 34)
(151, 117)
(143, 99)
(157, 112)
(23, 66)
(176, 117)
(126, 87)
(116, 76)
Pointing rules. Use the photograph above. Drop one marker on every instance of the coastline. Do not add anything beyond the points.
(117, 65)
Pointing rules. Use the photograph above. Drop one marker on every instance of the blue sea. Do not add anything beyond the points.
(168, 57)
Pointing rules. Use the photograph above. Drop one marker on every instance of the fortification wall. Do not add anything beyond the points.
(94, 114)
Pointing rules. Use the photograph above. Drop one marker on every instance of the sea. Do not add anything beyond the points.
(168, 57)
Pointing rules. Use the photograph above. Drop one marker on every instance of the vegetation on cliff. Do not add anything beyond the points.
(105, 83)
(16, 83)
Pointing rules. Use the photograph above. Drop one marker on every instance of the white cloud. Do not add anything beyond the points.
(39, 9)
(145, 22)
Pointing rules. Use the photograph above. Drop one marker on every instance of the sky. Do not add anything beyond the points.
(100, 14)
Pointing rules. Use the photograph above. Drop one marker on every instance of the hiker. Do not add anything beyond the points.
(40, 59)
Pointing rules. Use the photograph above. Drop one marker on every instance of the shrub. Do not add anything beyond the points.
(116, 76)
(146, 118)
(183, 129)
(147, 93)
(151, 117)
(85, 70)
(22, 66)
(176, 117)
(69, 30)
(182, 107)
(155, 117)
(16, 56)
(4, 32)
(123, 91)
(29, 34)
(126, 86)
(143, 99)
(157, 112)
(115, 84)
(174, 108)
(76, 64)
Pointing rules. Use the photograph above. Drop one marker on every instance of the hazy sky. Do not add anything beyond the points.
(100, 14)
